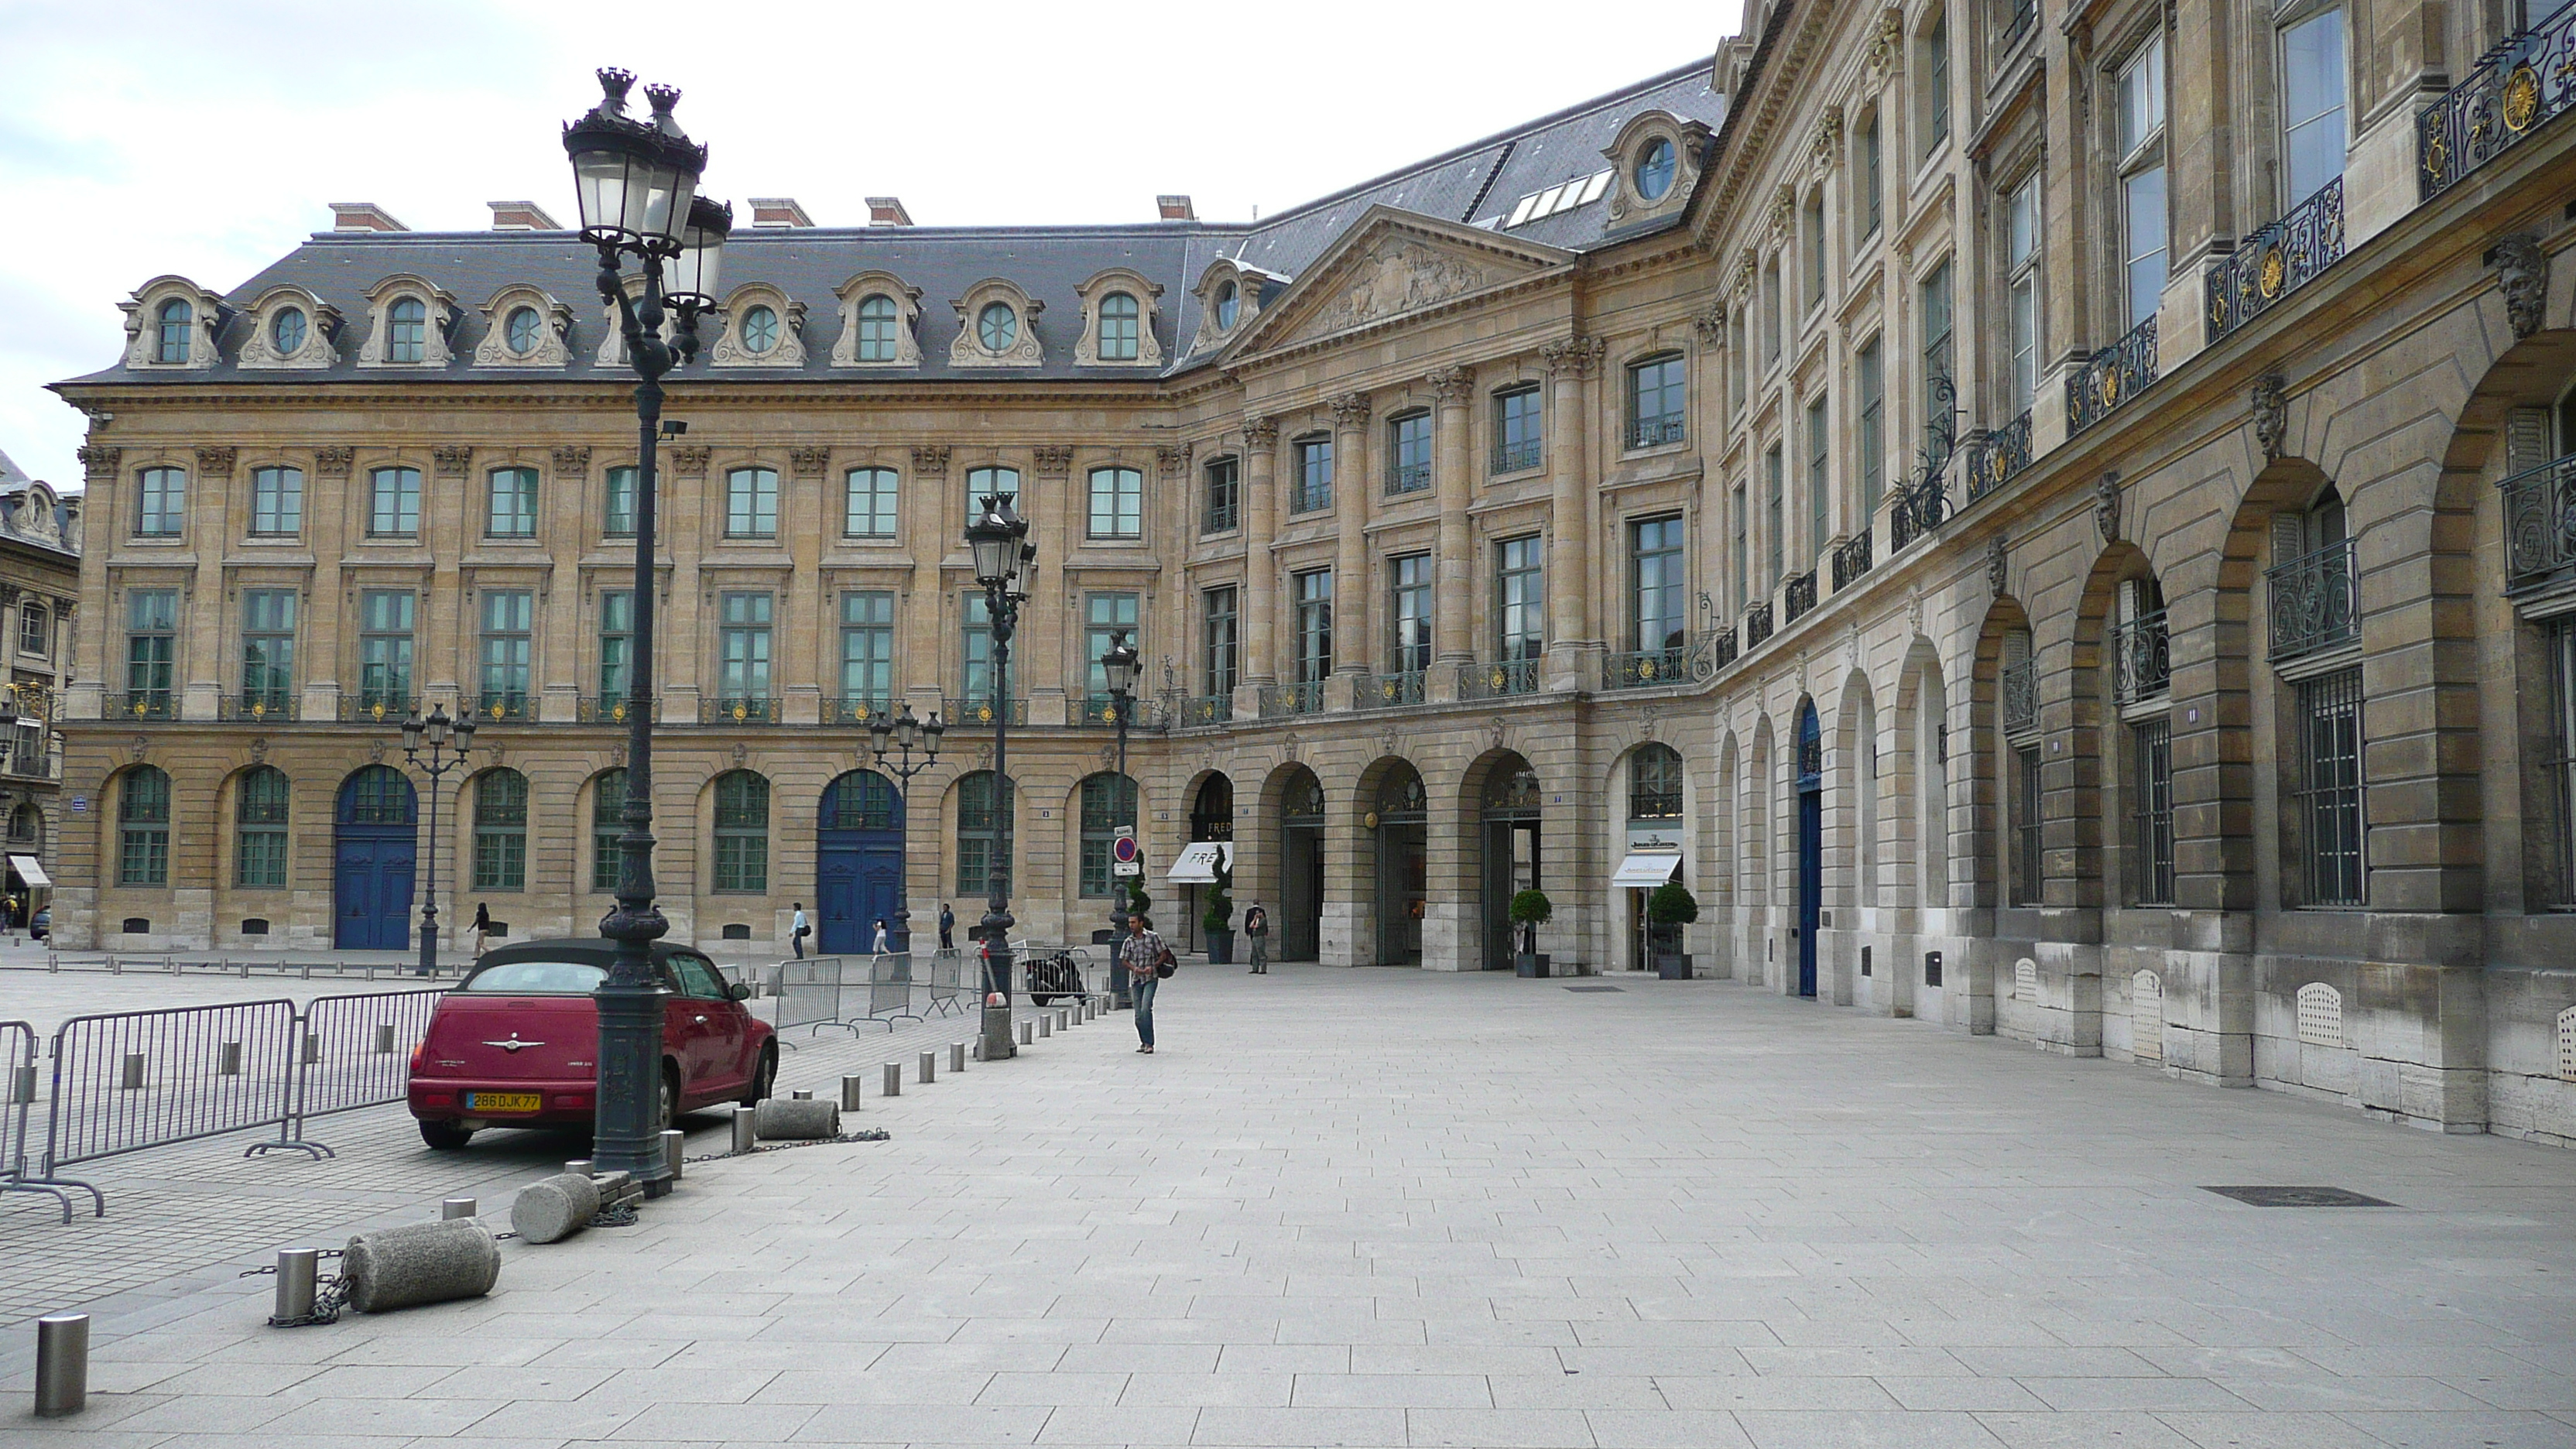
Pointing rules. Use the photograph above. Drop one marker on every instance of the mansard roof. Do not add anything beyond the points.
(1475, 185)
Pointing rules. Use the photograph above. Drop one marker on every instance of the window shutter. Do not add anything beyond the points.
(2289, 537)
(2526, 439)
(2016, 648)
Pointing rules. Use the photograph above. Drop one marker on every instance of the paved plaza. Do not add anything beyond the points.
(1385, 1208)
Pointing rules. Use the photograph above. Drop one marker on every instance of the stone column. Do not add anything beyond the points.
(1354, 648)
(1038, 653)
(209, 665)
(807, 633)
(923, 641)
(445, 658)
(1573, 642)
(680, 641)
(571, 667)
(1259, 613)
(1453, 614)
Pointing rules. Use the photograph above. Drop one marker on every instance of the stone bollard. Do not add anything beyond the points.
(746, 1129)
(62, 1365)
(552, 1209)
(421, 1263)
(956, 1056)
(796, 1120)
(979, 1048)
(675, 1150)
(893, 1079)
(450, 1209)
(579, 1165)
(1046, 1024)
(928, 1071)
(850, 1087)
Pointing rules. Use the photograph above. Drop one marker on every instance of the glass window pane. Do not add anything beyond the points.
(2312, 66)
(2143, 218)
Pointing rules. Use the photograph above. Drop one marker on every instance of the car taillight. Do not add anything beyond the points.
(416, 1054)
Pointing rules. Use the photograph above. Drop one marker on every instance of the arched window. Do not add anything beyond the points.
(1118, 313)
(982, 483)
(500, 831)
(143, 828)
(27, 827)
(983, 834)
(407, 331)
(1108, 801)
(259, 828)
(170, 341)
(607, 826)
(522, 330)
(377, 795)
(862, 800)
(1654, 783)
(742, 833)
(877, 322)
(1229, 305)
(287, 330)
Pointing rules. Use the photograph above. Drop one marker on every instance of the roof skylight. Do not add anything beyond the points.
(1581, 191)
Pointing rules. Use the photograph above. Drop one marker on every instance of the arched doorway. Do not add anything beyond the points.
(858, 861)
(1655, 841)
(1211, 823)
(1811, 842)
(1301, 867)
(373, 837)
(1401, 818)
(1510, 822)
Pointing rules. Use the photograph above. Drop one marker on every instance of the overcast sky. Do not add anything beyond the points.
(206, 137)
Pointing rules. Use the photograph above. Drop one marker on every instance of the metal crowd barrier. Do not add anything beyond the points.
(356, 1053)
(171, 964)
(848, 991)
(124, 1081)
(17, 1104)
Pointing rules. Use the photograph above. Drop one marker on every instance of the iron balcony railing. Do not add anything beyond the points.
(503, 708)
(30, 764)
(1206, 709)
(1995, 456)
(1799, 598)
(1100, 712)
(257, 705)
(2539, 524)
(1722, 649)
(376, 707)
(1654, 432)
(1498, 679)
(1518, 455)
(2272, 262)
(976, 712)
(738, 709)
(1757, 624)
(1279, 701)
(611, 709)
(144, 704)
(2113, 375)
(1407, 477)
(2511, 92)
(1688, 662)
(2315, 602)
(1851, 560)
(2020, 689)
(2141, 660)
(1392, 691)
(853, 709)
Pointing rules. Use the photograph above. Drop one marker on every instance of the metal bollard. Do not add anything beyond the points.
(132, 1077)
(578, 1167)
(674, 1150)
(228, 1059)
(979, 1048)
(745, 1136)
(956, 1060)
(1046, 1024)
(894, 1079)
(1063, 1019)
(296, 1274)
(850, 1092)
(800, 1095)
(384, 1038)
(456, 1207)
(62, 1365)
(929, 1069)
(1028, 1033)
(22, 1086)
(312, 1048)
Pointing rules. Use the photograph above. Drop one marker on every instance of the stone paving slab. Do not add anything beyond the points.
(1384, 1209)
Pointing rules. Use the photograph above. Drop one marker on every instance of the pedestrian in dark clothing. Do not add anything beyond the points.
(1256, 929)
(947, 923)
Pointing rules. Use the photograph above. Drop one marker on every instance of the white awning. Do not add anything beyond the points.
(1197, 862)
(1646, 868)
(31, 872)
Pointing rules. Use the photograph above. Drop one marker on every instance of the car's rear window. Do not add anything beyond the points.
(531, 977)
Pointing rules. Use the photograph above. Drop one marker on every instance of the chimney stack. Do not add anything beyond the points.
(363, 216)
(778, 211)
(887, 211)
(1176, 208)
(521, 216)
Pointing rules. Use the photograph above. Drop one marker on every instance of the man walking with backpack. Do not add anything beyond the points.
(1148, 961)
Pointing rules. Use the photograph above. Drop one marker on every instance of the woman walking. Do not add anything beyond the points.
(480, 931)
(1256, 928)
(1147, 961)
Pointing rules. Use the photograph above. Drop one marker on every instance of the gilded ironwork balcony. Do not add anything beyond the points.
(1688, 662)
(257, 705)
(2315, 602)
(30, 765)
(853, 709)
(1654, 432)
(738, 709)
(1280, 701)
(1100, 712)
(1407, 478)
(2273, 261)
(2020, 690)
(1757, 624)
(1996, 455)
(1392, 691)
(2505, 99)
(2539, 524)
(1498, 679)
(1722, 649)
(612, 709)
(143, 704)
(2114, 375)
(976, 712)
(374, 706)
(1799, 598)
(1851, 560)
(1518, 455)
(2141, 659)
(1200, 710)
(512, 706)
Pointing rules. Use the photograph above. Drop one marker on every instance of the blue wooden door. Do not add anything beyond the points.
(372, 861)
(858, 862)
(1811, 846)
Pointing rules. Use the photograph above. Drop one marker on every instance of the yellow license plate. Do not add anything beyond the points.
(503, 1101)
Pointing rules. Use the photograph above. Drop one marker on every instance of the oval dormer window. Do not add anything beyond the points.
(286, 331)
(759, 331)
(519, 331)
(1655, 169)
(997, 326)
(1229, 302)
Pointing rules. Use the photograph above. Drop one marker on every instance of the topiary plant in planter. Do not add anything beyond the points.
(1670, 908)
(1217, 919)
(1530, 909)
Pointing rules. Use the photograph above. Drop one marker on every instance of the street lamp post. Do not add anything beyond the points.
(904, 731)
(1006, 565)
(636, 182)
(447, 742)
(1119, 666)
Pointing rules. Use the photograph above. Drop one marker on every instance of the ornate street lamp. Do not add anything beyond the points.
(435, 735)
(1006, 564)
(904, 731)
(637, 182)
(1119, 665)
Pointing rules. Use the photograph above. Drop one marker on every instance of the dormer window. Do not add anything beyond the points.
(1655, 168)
(407, 337)
(1118, 313)
(175, 319)
(1229, 301)
(287, 330)
(1656, 158)
(759, 331)
(997, 327)
(522, 331)
(877, 322)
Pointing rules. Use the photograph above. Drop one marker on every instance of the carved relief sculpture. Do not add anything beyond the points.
(2271, 414)
(2522, 274)
(1398, 275)
(1997, 560)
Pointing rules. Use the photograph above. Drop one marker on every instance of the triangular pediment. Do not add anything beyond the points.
(1391, 263)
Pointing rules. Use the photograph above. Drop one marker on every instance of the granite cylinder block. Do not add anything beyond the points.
(794, 1121)
(554, 1208)
(420, 1263)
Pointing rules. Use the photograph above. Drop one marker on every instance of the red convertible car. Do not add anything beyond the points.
(515, 1044)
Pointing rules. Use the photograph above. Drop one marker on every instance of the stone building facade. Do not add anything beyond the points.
(2050, 520)
(40, 542)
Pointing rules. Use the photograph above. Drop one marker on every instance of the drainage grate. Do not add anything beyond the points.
(2298, 1197)
(1596, 988)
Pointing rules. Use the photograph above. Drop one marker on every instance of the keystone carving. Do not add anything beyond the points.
(2271, 414)
(452, 461)
(572, 461)
(808, 462)
(1997, 560)
(2106, 506)
(334, 462)
(1054, 461)
(690, 460)
(930, 458)
(2522, 273)
(215, 462)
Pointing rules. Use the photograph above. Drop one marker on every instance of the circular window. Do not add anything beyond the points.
(997, 326)
(519, 331)
(286, 331)
(1655, 170)
(1228, 303)
(759, 330)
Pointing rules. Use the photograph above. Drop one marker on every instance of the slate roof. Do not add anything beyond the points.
(1474, 183)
